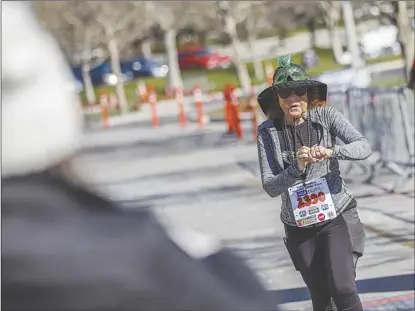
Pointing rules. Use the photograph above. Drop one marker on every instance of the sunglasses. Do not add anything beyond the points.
(287, 92)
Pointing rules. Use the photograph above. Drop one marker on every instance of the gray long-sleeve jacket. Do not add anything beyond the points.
(276, 180)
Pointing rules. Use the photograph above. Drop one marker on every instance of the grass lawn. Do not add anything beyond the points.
(390, 82)
(218, 78)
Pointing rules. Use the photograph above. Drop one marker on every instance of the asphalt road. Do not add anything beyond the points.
(209, 182)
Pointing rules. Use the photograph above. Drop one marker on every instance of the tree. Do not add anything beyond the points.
(351, 34)
(72, 23)
(114, 17)
(87, 35)
(397, 12)
(281, 16)
(227, 10)
(91, 23)
(253, 21)
(171, 16)
(331, 12)
(139, 33)
(307, 15)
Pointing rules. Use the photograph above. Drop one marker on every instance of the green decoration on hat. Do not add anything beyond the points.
(288, 72)
(284, 61)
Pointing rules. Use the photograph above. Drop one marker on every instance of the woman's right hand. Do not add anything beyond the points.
(303, 157)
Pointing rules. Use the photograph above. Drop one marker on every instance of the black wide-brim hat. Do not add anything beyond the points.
(316, 93)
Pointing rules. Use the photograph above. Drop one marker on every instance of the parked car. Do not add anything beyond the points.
(144, 67)
(101, 72)
(203, 58)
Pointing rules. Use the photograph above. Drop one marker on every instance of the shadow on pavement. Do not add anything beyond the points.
(186, 197)
(206, 172)
(145, 148)
(268, 253)
(390, 215)
(250, 166)
(395, 283)
(263, 252)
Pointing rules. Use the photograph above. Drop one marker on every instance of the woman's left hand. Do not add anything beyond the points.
(320, 152)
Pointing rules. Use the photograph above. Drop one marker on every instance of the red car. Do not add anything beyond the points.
(203, 58)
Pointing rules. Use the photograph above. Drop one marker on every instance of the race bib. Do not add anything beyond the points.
(312, 202)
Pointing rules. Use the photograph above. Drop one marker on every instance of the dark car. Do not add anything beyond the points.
(203, 58)
(144, 67)
(101, 73)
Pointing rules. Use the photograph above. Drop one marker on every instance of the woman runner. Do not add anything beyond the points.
(299, 160)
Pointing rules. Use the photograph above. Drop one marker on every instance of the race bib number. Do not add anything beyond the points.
(312, 202)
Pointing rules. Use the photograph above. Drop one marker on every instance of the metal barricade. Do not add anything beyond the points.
(410, 99)
(385, 118)
(362, 113)
(338, 100)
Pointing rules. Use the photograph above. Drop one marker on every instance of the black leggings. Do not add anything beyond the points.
(325, 259)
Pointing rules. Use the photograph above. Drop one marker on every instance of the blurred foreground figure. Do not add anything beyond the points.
(65, 248)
